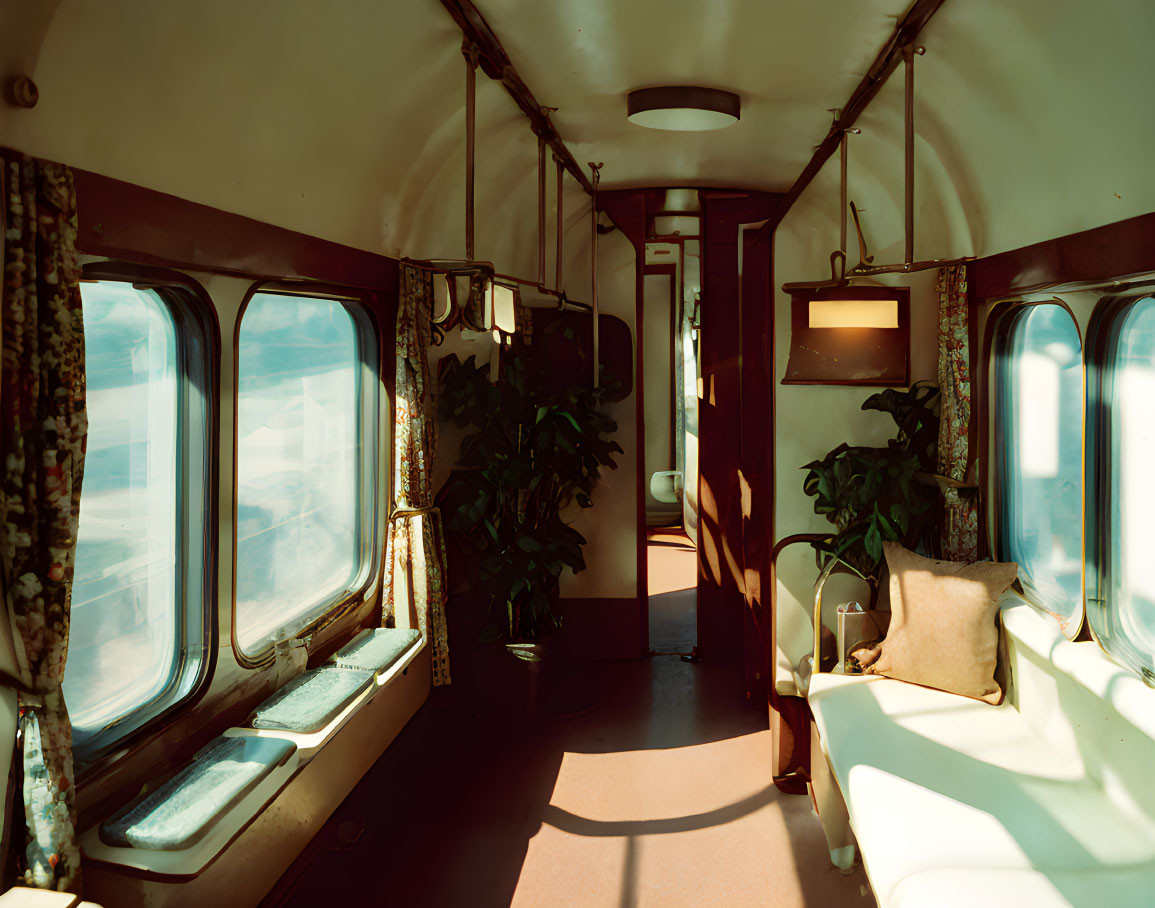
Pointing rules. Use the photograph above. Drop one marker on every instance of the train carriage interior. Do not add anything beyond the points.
(574, 452)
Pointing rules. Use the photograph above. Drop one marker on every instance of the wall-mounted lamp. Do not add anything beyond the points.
(853, 313)
(849, 336)
(501, 309)
(683, 107)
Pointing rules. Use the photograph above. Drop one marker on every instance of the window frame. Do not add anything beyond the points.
(1004, 319)
(1103, 337)
(195, 324)
(376, 491)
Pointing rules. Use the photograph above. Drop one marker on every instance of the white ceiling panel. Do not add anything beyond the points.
(789, 61)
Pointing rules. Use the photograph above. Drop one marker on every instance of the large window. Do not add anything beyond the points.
(306, 457)
(138, 633)
(1039, 374)
(1122, 601)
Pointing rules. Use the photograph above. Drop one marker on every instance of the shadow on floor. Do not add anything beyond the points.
(447, 815)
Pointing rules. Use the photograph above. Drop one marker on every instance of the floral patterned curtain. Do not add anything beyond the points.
(415, 554)
(960, 534)
(43, 436)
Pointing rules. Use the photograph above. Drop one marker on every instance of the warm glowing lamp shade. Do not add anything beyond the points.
(849, 336)
(504, 315)
(853, 313)
(683, 108)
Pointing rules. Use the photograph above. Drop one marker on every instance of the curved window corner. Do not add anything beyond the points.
(1039, 383)
(306, 462)
(1121, 582)
(140, 638)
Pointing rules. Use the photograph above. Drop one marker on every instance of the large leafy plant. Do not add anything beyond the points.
(535, 449)
(875, 494)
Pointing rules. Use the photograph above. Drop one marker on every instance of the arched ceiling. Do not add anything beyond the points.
(346, 120)
(789, 62)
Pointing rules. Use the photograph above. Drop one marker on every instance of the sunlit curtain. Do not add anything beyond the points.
(415, 553)
(43, 436)
(960, 533)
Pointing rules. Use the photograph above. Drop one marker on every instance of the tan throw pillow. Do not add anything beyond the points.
(943, 630)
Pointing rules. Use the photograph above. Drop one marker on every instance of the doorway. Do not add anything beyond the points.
(672, 288)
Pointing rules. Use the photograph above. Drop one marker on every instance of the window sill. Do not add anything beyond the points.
(188, 863)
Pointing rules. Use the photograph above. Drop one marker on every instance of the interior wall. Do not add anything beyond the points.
(1043, 138)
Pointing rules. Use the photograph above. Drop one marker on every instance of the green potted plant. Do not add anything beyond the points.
(875, 494)
(534, 448)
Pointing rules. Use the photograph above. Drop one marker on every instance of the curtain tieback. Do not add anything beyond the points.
(401, 513)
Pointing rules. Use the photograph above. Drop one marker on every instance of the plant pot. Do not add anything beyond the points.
(532, 663)
(555, 687)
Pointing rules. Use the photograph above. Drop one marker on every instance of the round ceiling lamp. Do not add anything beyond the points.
(683, 107)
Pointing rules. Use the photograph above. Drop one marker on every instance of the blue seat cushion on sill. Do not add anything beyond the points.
(184, 808)
(377, 650)
(311, 701)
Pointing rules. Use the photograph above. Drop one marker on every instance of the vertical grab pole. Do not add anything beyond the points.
(908, 53)
(560, 222)
(541, 211)
(596, 168)
(470, 52)
(842, 227)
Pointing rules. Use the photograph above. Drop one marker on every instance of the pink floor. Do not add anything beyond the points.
(660, 794)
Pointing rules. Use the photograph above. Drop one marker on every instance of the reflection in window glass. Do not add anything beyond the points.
(125, 638)
(301, 532)
(1040, 379)
(1130, 582)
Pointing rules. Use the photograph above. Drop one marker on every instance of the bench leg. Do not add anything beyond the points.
(831, 808)
(790, 737)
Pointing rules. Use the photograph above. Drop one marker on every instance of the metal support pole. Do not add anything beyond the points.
(908, 53)
(596, 168)
(470, 52)
(560, 222)
(541, 210)
(842, 202)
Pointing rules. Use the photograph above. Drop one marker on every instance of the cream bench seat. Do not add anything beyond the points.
(1044, 800)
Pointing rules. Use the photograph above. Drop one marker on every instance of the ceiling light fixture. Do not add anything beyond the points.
(683, 107)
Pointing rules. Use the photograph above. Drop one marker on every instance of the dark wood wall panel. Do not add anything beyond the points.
(756, 466)
(721, 561)
(124, 221)
(1114, 251)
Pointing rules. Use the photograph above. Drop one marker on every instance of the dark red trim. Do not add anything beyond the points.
(756, 478)
(1116, 251)
(124, 221)
(721, 568)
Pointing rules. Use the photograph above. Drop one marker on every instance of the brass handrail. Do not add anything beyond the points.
(816, 665)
